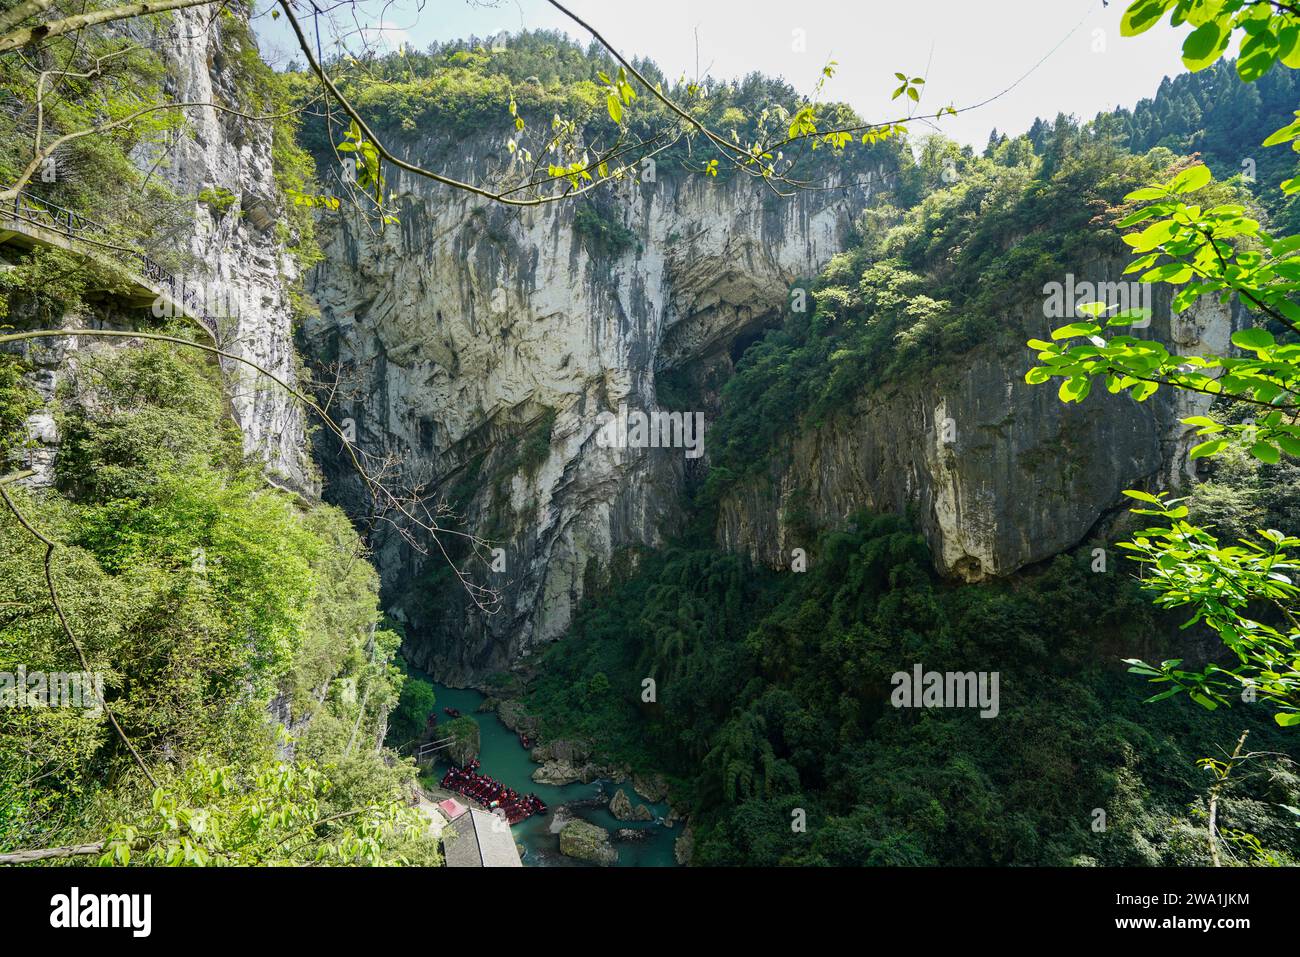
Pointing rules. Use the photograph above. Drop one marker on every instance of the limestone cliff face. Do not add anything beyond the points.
(483, 343)
(998, 474)
(471, 327)
(236, 260)
(239, 260)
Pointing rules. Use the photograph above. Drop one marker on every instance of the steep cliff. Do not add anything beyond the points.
(484, 343)
(234, 261)
(996, 473)
(239, 258)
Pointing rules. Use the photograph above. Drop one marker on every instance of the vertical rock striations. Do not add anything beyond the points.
(485, 341)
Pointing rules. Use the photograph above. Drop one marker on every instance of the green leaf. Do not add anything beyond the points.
(1074, 389)
(1289, 46)
(1256, 56)
(1206, 424)
(1152, 236)
(1076, 329)
(615, 107)
(1205, 44)
(1141, 496)
(1142, 15)
(1211, 447)
(1266, 452)
(1253, 339)
(1146, 192)
(1190, 179)
(1287, 719)
(1175, 273)
(1283, 135)
(1144, 390)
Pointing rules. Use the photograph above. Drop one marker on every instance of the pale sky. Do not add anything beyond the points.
(970, 50)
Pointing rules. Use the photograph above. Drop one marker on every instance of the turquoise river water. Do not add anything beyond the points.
(502, 757)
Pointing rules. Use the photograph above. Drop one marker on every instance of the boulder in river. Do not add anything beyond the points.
(631, 834)
(557, 773)
(584, 841)
(513, 716)
(464, 735)
(570, 751)
(621, 807)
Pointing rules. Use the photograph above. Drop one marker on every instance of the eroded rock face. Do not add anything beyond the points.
(471, 329)
(240, 262)
(999, 474)
(238, 265)
(485, 342)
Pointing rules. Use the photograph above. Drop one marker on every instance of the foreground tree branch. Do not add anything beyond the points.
(45, 31)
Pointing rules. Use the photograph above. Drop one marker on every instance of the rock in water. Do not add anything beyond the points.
(465, 743)
(557, 773)
(620, 806)
(587, 842)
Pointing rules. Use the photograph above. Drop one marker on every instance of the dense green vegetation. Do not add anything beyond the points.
(773, 688)
(460, 88)
(416, 702)
(933, 279)
(1216, 115)
(207, 601)
(927, 285)
(773, 694)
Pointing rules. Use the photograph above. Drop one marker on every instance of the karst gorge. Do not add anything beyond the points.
(495, 450)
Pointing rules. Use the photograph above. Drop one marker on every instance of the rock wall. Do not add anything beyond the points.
(471, 326)
(239, 260)
(997, 473)
(236, 260)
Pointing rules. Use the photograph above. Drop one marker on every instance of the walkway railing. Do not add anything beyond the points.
(28, 208)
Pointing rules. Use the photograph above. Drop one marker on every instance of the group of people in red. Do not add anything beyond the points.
(492, 794)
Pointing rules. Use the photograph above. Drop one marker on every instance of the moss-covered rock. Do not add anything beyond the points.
(587, 842)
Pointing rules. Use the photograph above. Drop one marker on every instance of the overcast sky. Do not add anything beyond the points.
(970, 50)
